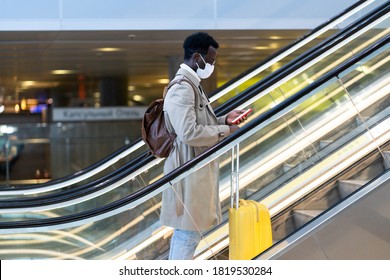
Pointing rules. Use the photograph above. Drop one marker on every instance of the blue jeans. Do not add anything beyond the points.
(183, 244)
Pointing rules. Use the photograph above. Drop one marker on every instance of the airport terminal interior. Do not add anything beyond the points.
(315, 151)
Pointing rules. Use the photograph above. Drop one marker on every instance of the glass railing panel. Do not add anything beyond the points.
(262, 105)
(370, 75)
(339, 55)
(259, 74)
(310, 72)
(329, 118)
(295, 83)
(266, 70)
(281, 149)
(373, 68)
(360, 13)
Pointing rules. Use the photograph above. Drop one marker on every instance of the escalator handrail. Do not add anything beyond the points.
(80, 174)
(186, 167)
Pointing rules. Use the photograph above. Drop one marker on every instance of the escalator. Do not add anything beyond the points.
(355, 229)
(282, 146)
(246, 82)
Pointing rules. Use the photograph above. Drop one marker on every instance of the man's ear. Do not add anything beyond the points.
(195, 60)
(196, 57)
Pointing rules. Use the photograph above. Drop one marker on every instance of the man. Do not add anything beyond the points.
(192, 206)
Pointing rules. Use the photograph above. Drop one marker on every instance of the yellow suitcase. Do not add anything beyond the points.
(250, 231)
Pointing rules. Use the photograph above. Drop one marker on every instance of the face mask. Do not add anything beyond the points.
(207, 71)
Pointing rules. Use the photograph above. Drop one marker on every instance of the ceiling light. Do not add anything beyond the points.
(23, 104)
(109, 49)
(62, 72)
(138, 98)
(261, 48)
(26, 84)
(37, 84)
(163, 81)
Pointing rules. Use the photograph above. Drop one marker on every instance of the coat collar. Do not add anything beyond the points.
(189, 73)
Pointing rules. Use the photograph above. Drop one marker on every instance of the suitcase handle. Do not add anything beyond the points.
(235, 177)
(243, 202)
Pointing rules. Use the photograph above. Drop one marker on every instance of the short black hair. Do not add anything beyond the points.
(198, 43)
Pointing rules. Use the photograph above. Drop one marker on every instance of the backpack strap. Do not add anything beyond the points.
(185, 79)
(179, 81)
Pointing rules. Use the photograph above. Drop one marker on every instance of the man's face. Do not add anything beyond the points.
(210, 57)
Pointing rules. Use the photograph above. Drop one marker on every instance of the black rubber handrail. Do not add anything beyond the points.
(252, 91)
(192, 163)
(291, 45)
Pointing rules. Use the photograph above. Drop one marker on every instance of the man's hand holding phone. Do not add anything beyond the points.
(236, 117)
(241, 117)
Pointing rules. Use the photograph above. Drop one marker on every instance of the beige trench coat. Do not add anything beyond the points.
(197, 129)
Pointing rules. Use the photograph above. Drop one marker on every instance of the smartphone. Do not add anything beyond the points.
(243, 115)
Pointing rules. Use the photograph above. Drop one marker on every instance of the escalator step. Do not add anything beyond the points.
(386, 159)
(301, 217)
(361, 120)
(346, 187)
(324, 143)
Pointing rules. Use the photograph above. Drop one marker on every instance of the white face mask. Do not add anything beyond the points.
(207, 71)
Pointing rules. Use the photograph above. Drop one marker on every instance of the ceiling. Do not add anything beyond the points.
(27, 59)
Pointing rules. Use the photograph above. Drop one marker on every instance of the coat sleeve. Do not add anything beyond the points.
(222, 120)
(192, 125)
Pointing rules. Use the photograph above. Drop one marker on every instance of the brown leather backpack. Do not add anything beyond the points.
(154, 131)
